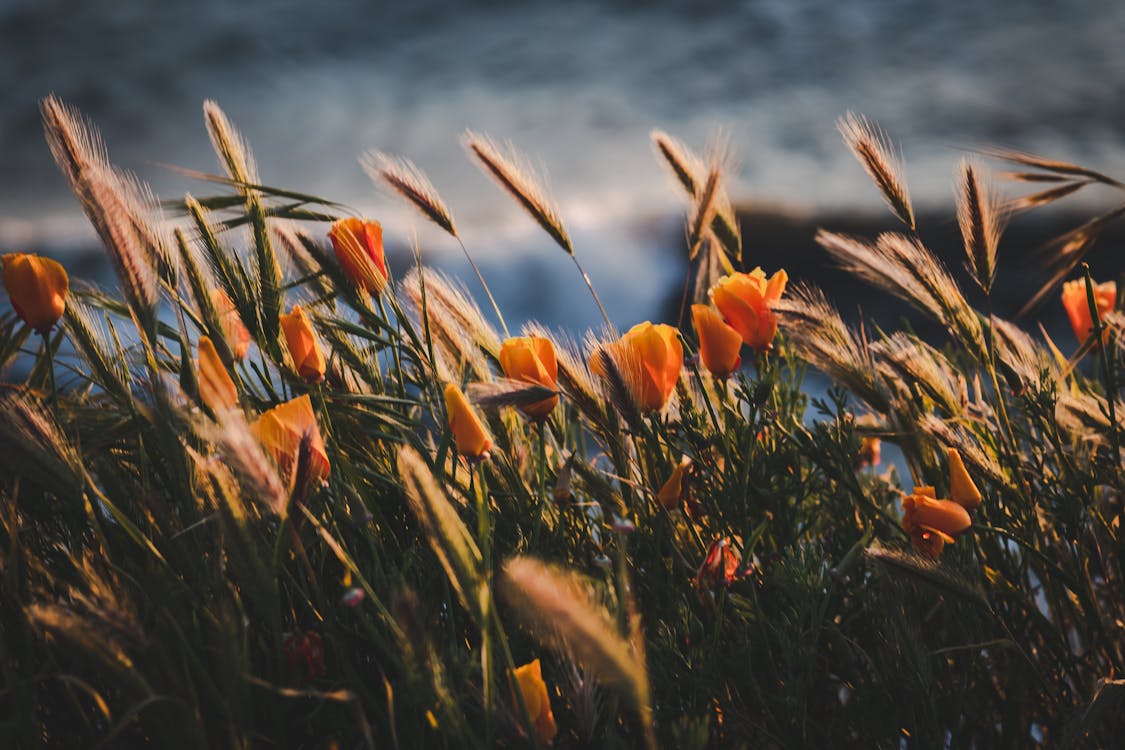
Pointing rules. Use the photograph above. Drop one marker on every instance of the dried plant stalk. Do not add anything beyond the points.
(404, 178)
(882, 162)
(513, 174)
(980, 222)
(564, 616)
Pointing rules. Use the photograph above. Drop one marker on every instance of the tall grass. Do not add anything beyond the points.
(166, 581)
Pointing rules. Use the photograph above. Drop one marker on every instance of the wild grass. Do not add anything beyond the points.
(162, 584)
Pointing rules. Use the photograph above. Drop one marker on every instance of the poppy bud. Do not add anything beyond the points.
(359, 249)
(1078, 307)
(719, 344)
(234, 330)
(37, 287)
(216, 389)
(531, 359)
(528, 679)
(303, 347)
(469, 435)
(962, 489)
(283, 429)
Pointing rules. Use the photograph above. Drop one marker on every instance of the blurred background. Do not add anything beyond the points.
(578, 85)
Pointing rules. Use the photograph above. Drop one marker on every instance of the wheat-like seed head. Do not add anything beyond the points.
(565, 616)
(256, 473)
(404, 178)
(981, 223)
(512, 171)
(459, 330)
(445, 532)
(821, 337)
(233, 153)
(121, 209)
(907, 358)
(880, 160)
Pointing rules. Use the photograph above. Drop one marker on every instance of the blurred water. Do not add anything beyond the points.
(577, 84)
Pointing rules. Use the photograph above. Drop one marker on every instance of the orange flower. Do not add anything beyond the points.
(1078, 308)
(719, 344)
(469, 435)
(720, 566)
(962, 489)
(746, 301)
(216, 389)
(359, 248)
(529, 680)
(676, 489)
(301, 340)
(932, 523)
(649, 358)
(531, 359)
(38, 287)
(870, 451)
(234, 331)
(282, 430)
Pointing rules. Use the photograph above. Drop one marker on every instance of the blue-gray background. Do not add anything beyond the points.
(577, 84)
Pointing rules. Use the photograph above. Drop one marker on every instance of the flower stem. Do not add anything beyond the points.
(590, 286)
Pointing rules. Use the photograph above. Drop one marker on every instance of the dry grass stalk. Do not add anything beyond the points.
(403, 177)
(444, 530)
(980, 458)
(904, 267)
(460, 332)
(981, 224)
(512, 172)
(882, 162)
(244, 455)
(564, 615)
(821, 337)
(574, 378)
(1066, 251)
(503, 392)
(704, 213)
(1051, 169)
(689, 171)
(908, 359)
(229, 145)
(28, 431)
(120, 208)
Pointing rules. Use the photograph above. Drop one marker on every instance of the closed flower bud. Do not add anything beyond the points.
(469, 435)
(719, 344)
(359, 249)
(719, 568)
(962, 489)
(649, 358)
(1078, 307)
(746, 301)
(932, 523)
(531, 359)
(302, 344)
(528, 679)
(676, 490)
(234, 330)
(282, 430)
(870, 451)
(37, 287)
(216, 389)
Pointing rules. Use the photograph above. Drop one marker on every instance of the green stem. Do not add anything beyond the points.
(1107, 372)
(483, 283)
(51, 373)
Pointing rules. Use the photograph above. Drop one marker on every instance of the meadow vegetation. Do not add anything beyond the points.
(263, 494)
